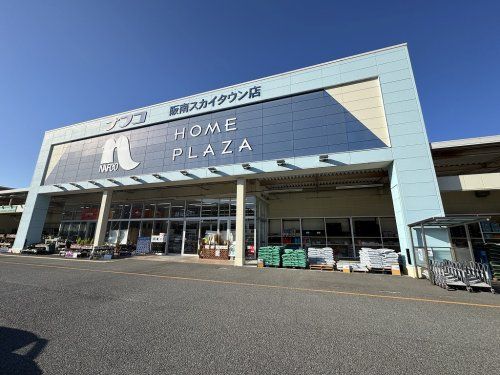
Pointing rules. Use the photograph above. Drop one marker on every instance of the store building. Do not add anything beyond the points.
(334, 154)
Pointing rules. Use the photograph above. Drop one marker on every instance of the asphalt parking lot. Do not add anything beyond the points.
(138, 316)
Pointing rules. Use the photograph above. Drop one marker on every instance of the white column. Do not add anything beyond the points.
(32, 221)
(102, 221)
(239, 259)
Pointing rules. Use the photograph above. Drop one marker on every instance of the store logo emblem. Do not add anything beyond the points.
(122, 147)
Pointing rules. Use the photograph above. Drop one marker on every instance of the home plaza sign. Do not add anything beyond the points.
(122, 145)
(211, 128)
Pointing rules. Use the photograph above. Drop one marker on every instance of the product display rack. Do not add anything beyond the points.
(290, 232)
(490, 231)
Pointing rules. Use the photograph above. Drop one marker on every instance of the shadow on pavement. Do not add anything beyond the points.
(18, 351)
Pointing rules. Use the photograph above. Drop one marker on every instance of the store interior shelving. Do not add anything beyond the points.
(345, 236)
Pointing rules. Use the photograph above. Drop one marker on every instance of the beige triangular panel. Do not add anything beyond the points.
(363, 100)
(55, 157)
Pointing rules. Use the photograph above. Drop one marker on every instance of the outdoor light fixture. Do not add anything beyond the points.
(113, 181)
(74, 184)
(246, 165)
(93, 183)
(184, 172)
(135, 178)
(281, 162)
(212, 169)
(157, 175)
(323, 158)
(59, 186)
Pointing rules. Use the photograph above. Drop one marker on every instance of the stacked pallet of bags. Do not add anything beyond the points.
(390, 258)
(270, 255)
(294, 258)
(371, 258)
(320, 256)
(378, 258)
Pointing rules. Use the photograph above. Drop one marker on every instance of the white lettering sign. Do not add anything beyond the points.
(211, 128)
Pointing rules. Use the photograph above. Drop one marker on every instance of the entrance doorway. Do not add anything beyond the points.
(175, 235)
(192, 235)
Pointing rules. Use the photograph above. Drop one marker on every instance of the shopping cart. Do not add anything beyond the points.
(450, 275)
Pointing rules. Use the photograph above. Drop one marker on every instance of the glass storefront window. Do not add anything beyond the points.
(223, 228)
(114, 229)
(125, 211)
(210, 208)
(475, 231)
(115, 211)
(207, 226)
(160, 226)
(232, 210)
(91, 230)
(162, 210)
(77, 214)
(491, 229)
(250, 206)
(63, 230)
(231, 236)
(458, 232)
(177, 209)
(136, 211)
(250, 251)
(146, 228)
(67, 213)
(89, 212)
(73, 231)
(133, 232)
(149, 210)
(82, 230)
(193, 208)
(225, 208)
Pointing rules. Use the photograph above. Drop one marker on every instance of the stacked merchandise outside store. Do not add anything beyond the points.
(294, 258)
(320, 256)
(271, 255)
(378, 258)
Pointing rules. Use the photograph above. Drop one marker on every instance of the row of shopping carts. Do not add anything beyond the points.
(450, 275)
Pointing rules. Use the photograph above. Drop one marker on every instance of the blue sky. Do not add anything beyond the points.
(63, 62)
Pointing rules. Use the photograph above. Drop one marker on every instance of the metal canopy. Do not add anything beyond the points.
(449, 221)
